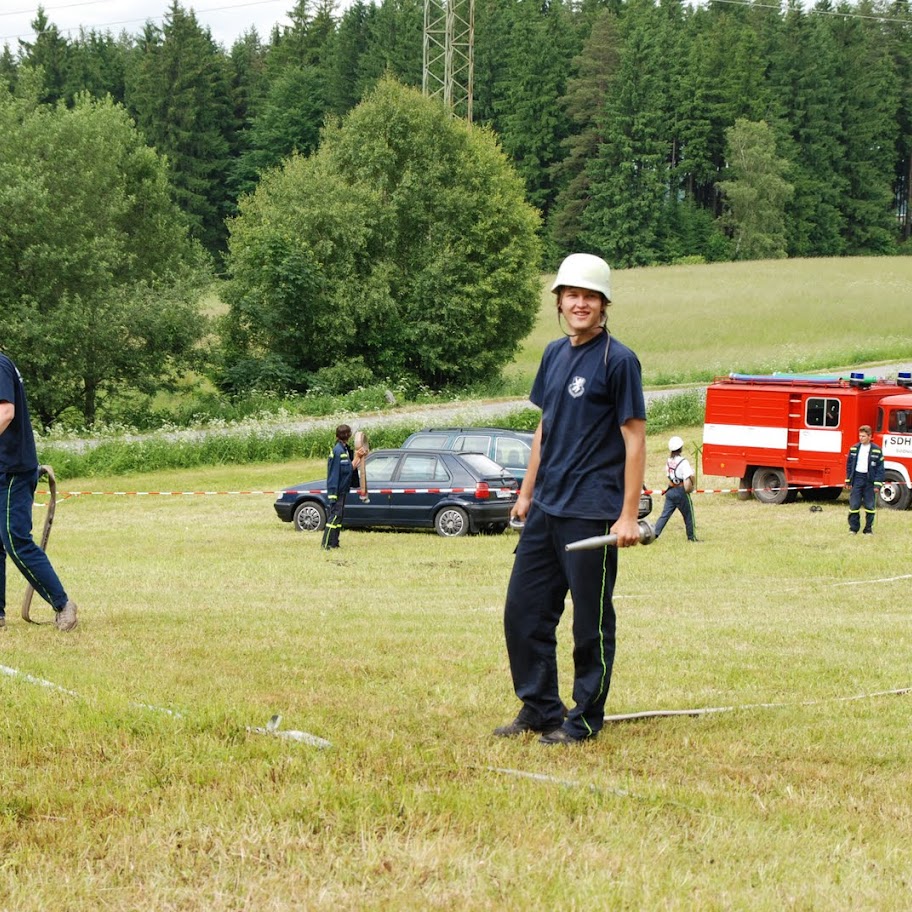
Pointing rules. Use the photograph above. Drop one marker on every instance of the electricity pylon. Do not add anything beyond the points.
(449, 50)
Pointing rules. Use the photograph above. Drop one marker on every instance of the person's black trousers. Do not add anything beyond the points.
(543, 573)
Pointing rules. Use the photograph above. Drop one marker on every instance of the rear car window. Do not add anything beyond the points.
(482, 464)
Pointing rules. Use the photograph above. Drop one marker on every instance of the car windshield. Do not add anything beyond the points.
(484, 466)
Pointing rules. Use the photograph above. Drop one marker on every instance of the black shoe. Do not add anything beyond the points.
(516, 728)
(561, 736)
(868, 531)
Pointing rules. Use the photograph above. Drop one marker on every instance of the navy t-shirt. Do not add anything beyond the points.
(17, 442)
(584, 402)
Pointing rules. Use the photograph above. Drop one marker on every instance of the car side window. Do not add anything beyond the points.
(421, 467)
(901, 421)
(472, 444)
(510, 452)
(426, 442)
(380, 467)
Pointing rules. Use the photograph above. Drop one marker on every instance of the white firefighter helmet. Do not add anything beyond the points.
(583, 270)
(675, 444)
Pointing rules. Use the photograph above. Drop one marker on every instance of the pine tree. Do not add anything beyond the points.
(867, 165)
(533, 123)
(179, 91)
(629, 178)
(804, 76)
(586, 95)
(49, 51)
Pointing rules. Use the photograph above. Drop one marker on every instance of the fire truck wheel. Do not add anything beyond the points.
(770, 486)
(894, 494)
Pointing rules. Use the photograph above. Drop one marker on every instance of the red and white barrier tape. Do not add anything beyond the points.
(63, 495)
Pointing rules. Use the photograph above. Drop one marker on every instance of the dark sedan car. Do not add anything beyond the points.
(453, 493)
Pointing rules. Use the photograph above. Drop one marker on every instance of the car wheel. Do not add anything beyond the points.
(451, 522)
(309, 516)
(894, 495)
(770, 486)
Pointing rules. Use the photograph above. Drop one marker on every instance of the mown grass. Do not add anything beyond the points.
(393, 651)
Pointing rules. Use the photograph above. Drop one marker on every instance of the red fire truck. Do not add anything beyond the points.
(782, 433)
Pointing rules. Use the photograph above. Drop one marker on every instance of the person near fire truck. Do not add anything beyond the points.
(677, 493)
(864, 477)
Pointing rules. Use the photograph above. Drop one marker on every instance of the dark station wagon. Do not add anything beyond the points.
(452, 493)
(506, 447)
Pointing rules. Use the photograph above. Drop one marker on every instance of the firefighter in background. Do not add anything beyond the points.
(677, 494)
(340, 475)
(864, 476)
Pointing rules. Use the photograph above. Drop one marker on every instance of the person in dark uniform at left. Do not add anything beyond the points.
(18, 480)
(340, 475)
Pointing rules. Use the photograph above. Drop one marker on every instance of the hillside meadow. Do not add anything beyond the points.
(689, 324)
(131, 779)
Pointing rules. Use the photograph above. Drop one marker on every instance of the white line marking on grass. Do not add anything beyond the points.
(272, 727)
(541, 777)
(15, 673)
(705, 711)
(886, 579)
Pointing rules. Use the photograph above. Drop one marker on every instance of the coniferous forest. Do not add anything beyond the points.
(651, 132)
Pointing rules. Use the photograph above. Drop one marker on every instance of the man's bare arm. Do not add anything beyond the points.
(7, 413)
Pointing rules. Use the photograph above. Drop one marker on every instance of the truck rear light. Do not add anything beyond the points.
(482, 491)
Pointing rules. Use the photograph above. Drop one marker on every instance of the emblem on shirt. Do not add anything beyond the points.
(577, 387)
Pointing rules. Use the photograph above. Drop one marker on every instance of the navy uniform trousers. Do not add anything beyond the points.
(543, 573)
(863, 492)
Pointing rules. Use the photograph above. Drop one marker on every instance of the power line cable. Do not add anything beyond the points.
(108, 25)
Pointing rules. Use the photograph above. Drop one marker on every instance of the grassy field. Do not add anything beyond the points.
(134, 782)
(692, 323)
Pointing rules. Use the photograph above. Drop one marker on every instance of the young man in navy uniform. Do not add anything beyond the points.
(584, 479)
(864, 478)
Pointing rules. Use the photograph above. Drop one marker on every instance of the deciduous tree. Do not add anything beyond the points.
(404, 240)
(98, 280)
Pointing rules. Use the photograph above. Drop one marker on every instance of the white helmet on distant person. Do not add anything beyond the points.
(675, 444)
(583, 270)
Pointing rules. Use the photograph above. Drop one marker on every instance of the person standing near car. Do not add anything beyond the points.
(340, 471)
(584, 479)
(677, 494)
(18, 480)
(864, 477)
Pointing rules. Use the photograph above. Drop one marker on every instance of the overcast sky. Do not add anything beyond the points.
(227, 19)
